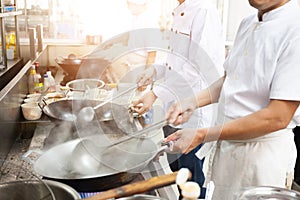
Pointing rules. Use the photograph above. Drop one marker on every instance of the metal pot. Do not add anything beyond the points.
(36, 190)
(268, 192)
(62, 191)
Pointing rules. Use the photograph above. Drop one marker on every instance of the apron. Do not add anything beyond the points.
(265, 161)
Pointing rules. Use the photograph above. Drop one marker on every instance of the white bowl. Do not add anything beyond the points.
(36, 95)
(31, 100)
(31, 111)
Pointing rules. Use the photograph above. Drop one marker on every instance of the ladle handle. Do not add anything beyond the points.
(137, 188)
(114, 97)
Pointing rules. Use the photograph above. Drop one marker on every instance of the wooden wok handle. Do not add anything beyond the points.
(137, 188)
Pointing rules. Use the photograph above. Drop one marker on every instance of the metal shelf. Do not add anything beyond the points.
(10, 14)
(3, 14)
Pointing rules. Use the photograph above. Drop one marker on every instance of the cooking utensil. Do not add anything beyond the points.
(88, 153)
(55, 164)
(82, 85)
(67, 110)
(37, 190)
(268, 192)
(25, 189)
(142, 197)
(89, 112)
(138, 187)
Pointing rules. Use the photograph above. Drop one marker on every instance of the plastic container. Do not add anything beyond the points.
(52, 85)
(47, 83)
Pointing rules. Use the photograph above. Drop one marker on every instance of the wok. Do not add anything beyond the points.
(56, 164)
(68, 110)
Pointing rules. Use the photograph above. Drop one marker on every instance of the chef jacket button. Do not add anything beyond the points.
(173, 13)
(172, 29)
(181, 14)
(246, 53)
(167, 65)
(176, 31)
(170, 67)
(169, 47)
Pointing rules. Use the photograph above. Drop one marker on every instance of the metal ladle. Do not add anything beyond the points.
(87, 113)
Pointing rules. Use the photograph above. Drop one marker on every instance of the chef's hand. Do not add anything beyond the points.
(147, 76)
(181, 111)
(144, 103)
(186, 140)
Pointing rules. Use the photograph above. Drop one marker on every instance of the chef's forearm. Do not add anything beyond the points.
(276, 116)
(211, 94)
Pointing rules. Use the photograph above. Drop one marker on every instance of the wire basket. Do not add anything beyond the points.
(82, 85)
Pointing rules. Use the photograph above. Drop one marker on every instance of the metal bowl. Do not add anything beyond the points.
(83, 85)
(36, 190)
(266, 192)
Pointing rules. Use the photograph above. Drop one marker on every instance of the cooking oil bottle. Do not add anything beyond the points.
(32, 81)
(11, 43)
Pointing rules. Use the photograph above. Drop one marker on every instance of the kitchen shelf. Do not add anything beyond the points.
(4, 15)
(10, 14)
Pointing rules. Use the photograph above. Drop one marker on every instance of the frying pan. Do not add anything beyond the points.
(56, 164)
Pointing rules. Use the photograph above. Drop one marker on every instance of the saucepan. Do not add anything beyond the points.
(58, 164)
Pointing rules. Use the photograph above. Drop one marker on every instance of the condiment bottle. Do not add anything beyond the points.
(39, 78)
(52, 85)
(46, 83)
(31, 81)
(34, 84)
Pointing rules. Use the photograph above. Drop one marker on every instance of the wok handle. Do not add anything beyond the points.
(138, 187)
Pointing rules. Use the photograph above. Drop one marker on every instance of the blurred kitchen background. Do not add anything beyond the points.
(74, 19)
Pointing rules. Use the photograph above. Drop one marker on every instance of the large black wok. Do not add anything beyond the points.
(132, 156)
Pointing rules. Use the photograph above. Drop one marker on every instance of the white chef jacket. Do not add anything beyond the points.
(195, 24)
(140, 37)
(262, 65)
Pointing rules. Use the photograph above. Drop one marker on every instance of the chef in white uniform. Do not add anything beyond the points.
(196, 23)
(259, 96)
(134, 59)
